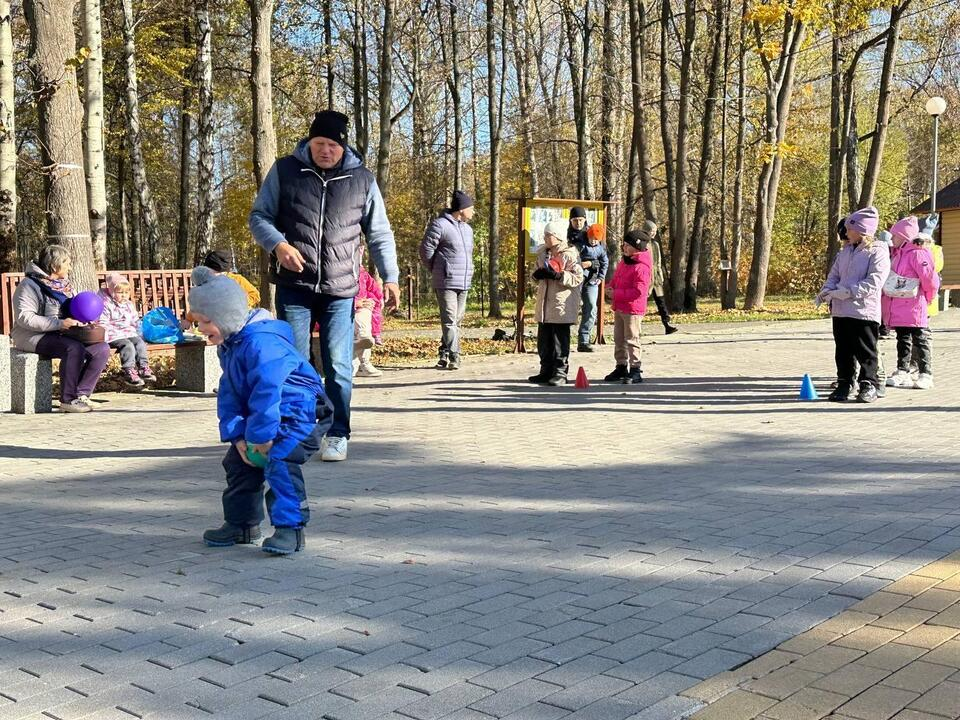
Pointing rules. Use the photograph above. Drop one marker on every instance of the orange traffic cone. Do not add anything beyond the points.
(582, 383)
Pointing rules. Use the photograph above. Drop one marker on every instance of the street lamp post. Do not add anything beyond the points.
(935, 107)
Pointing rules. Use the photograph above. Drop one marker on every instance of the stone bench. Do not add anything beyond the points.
(26, 379)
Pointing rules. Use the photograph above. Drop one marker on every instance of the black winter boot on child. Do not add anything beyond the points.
(285, 541)
(618, 374)
(842, 392)
(227, 535)
(443, 360)
(635, 377)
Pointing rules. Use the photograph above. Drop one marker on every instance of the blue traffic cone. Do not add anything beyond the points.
(807, 390)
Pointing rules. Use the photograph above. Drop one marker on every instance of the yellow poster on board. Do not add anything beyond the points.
(537, 212)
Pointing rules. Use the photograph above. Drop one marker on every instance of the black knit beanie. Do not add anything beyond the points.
(636, 239)
(460, 201)
(577, 212)
(219, 260)
(330, 124)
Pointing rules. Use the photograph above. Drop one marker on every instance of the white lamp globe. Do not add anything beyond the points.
(936, 106)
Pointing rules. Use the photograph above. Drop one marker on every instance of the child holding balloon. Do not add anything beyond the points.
(272, 411)
(121, 326)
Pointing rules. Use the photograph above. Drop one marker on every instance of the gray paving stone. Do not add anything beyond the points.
(511, 699)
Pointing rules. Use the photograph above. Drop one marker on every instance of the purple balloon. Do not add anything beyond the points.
(86, 306)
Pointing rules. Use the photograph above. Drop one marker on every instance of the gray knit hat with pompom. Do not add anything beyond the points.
(218, 298)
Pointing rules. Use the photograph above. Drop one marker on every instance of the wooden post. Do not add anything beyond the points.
(409, 293)
(521, 280)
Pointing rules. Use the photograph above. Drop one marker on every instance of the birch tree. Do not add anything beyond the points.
(204, 129)
(264, 135)
(138, 169)
(94, 162)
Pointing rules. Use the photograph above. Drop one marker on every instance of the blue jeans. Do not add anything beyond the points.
(301, 309)
(588, 295)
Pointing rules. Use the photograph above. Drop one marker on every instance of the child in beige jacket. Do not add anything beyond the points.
(558, 274)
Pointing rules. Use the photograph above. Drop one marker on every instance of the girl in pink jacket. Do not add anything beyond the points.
(368, 321)
(630, 286)
(911, 287)
(121, 326)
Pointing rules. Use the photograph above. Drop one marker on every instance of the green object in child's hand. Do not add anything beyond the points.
(258, 459)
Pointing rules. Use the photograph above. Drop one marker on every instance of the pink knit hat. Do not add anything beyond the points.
(866, 221)
(906, 229)
(114, 279)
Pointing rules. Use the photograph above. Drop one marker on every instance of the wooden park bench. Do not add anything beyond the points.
(26, 379)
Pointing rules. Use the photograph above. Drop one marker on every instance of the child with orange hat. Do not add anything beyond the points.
(594, 260)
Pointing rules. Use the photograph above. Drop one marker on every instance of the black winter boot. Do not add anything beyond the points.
(541, 377)
(842, 392)
(559, 379)
(454, 362)
(618, 374)
(443, 360)
(227, 535)
(285, 541)
(634, 378)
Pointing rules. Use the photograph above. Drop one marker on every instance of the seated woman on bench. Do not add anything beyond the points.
(39, 304)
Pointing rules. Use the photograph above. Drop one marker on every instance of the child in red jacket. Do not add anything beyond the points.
(629, 287)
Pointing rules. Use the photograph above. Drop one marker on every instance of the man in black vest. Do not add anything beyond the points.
(310, 213)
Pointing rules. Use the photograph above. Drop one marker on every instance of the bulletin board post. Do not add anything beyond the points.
(532, 215)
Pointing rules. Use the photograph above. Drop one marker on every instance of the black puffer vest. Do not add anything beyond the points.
(319, 213)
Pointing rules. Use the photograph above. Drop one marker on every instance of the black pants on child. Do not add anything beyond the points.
(132, 352)
(553, 345)
(856, 340)
(910, 338)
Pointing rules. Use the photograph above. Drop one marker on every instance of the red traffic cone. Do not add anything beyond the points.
(582, 383)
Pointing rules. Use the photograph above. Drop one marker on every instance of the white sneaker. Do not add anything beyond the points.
(75, 406)
(900, 379)
(368, 370)
(924, 381)
(333, 449)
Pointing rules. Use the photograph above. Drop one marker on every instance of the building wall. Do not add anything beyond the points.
(950, 239)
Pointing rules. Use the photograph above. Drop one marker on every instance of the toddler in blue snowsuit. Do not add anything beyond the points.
(270, 401)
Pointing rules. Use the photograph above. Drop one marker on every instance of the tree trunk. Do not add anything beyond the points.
(728, 300)
(779, 91)
(447, 17)
(93, 126)
(204, 130)
(494, 115)
(137, 165)
(8, 146)
(386, 98)
(578, 61)
(52, 44)
(123, 212)
(680, 238)
(361, 94)
(522, 59)
(611, 91)
(872, 170)
(264, 136)
(327, 45)
(669, 166)
(640, 176)
(835, 178)
(853, 157)
(701, 208)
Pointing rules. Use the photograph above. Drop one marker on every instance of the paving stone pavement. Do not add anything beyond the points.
(490, 549)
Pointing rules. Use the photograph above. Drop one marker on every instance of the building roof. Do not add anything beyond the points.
(947, 199)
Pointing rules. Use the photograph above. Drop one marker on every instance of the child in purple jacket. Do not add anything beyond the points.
(121, 326)
(853, 290)
(905, 303)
